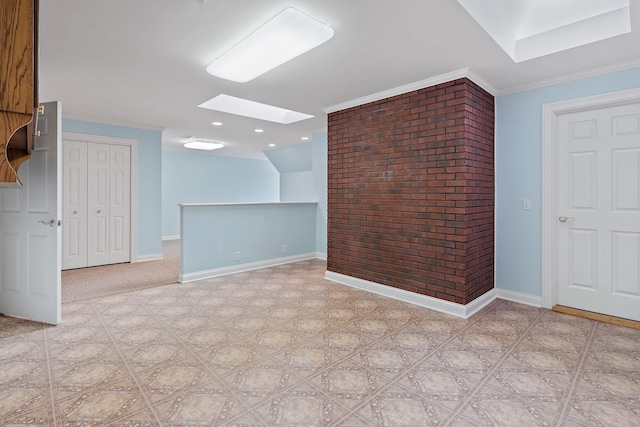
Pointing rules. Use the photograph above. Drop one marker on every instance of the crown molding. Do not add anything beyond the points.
(114, 123)
(432, 81)
(564, 78)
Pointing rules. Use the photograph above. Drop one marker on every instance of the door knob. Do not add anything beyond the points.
(75, 212)
(565, 218)
(98, 211)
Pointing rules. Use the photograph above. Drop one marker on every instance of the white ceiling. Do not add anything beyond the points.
(142, 62)
(528, 29)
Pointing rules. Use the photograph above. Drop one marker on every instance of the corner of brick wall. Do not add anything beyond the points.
(411, 191)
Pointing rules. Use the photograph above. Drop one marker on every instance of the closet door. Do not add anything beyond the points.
(120, 203)
(98, 248)
(97, 204)
(74, 210)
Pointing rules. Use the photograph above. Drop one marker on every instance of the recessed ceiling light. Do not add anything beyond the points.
(258, 130)
(288, 35)
(201, 144)
(272, 145)
(305, 138)
(244, 107)
(216, 123)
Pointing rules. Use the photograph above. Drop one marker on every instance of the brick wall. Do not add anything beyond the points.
(411, 191)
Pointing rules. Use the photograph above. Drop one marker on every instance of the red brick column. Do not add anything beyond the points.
(411, 191)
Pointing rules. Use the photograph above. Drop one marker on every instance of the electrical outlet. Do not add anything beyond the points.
(237, 256)
(284, 249)
(526, 204)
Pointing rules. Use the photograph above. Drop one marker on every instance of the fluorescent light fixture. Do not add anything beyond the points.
(286, 36)
(256, 110)
(217, 123)
(305, 138)
(202, 144)
(272, 145)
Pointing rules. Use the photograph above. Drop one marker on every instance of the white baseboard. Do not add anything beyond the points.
(448, 307)
(519, 297)
(223, 271)
(151, 257)
(321, 255)
(174, 237)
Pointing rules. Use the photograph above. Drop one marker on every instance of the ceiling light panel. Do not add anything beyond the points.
(288, 35)
(256, 110)
(201, 144)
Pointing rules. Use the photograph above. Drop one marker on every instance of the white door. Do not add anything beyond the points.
(74, 211)
(598, 210)
(30, 236)
(120, 203)
(98, 204)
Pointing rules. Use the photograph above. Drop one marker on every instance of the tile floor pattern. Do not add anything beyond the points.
(284, 347)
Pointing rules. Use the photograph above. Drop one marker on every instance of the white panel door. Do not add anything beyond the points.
(30, 236)
(598, 208)
(98, 251)
(74, 211)
(120, 203)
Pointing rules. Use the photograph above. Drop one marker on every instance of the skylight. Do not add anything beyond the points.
(528, 29)
(244, 107)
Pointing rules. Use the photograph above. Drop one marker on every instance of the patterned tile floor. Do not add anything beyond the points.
(283, 347)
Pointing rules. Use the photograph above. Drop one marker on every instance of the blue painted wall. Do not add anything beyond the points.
(519, 174)
(303, 177)
(295, 166)
(212, 235)
(295, 158)
(198, 177)
(296, 186)
(148, 206)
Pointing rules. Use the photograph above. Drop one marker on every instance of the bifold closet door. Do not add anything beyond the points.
(108, 204)
(120, 204)
(97, 204)
(74, 208)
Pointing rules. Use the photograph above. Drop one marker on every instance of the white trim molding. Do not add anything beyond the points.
(432, 81)
(171, 237)
(550, 113)
(114, 123)
(223, 271)
(564, 78)
(443, 306)
(519, 297)
(151, 257)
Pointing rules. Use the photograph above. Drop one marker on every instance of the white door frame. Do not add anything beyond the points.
(550, 113)
(133, 144)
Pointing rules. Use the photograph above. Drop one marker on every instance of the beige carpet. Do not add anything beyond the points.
(86, 283)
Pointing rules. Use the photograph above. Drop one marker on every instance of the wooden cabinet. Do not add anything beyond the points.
(18, 85)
